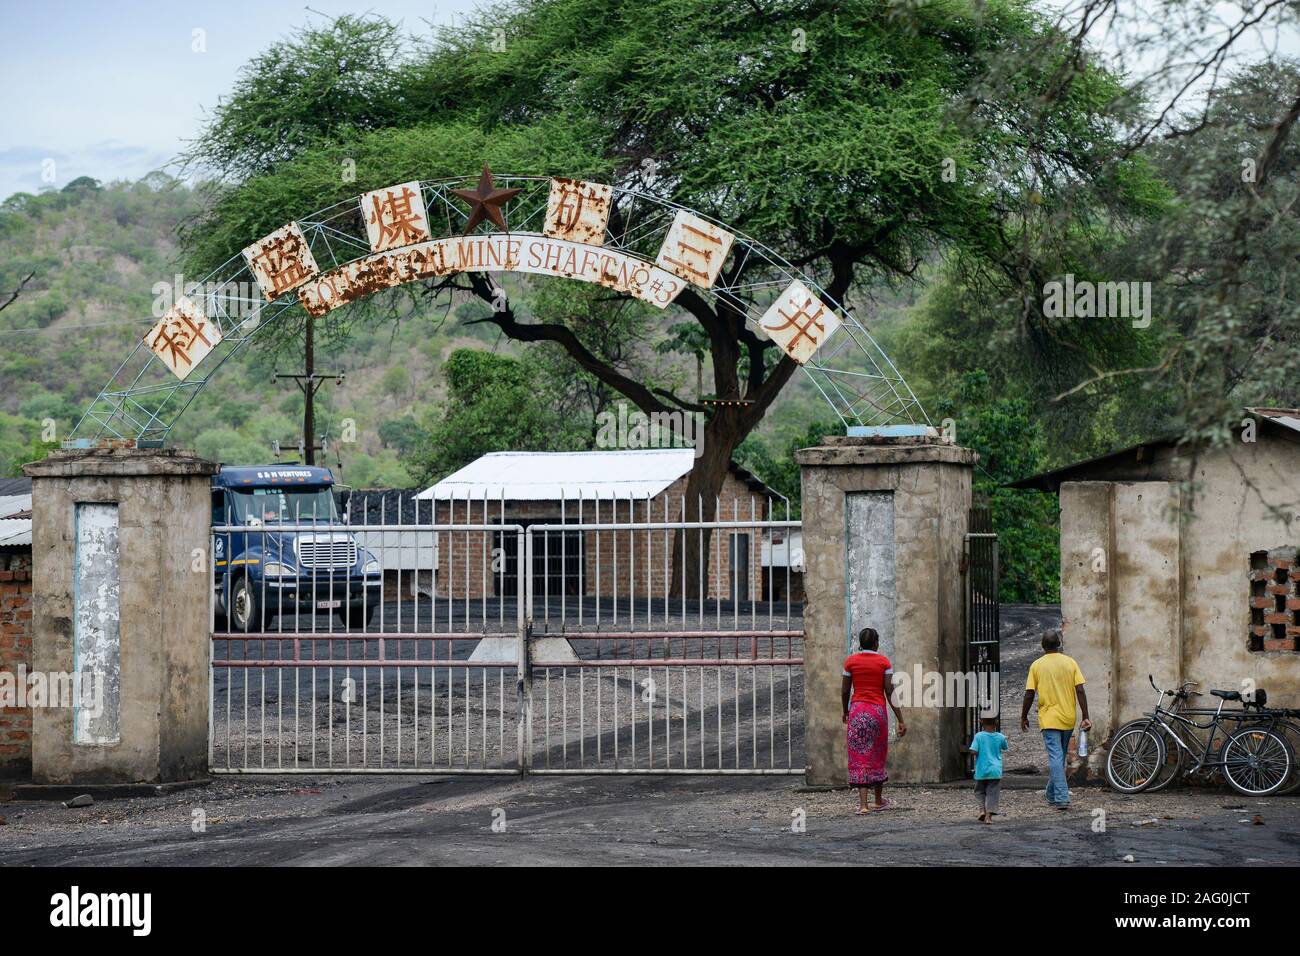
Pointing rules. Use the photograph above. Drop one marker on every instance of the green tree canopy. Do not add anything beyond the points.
(493, 403)
(859, 139)
(1010, 446)
(825, 129)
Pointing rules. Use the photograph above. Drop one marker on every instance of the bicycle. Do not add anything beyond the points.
(1283, 720)
(1255, 759)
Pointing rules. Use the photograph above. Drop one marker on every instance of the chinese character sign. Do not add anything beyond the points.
(183, 337)
(799, 322)
(281, 261)
(578, 211)
(395, 216)
(694, 249)
(493, 252)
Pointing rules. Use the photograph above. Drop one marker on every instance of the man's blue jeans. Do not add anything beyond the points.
(1057, 742)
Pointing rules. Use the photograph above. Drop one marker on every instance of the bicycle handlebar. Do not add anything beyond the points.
(1181, 694)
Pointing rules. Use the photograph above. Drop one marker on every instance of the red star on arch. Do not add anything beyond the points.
(486, 202)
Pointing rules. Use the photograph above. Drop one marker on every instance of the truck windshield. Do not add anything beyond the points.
(291, 506)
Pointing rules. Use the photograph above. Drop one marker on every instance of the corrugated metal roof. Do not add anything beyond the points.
(15, 532)
(15, 486)
(1289, 417)
(1136, 463)
(551, 475)
(11, 505)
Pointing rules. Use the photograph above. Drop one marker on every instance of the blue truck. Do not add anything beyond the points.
(263, 572)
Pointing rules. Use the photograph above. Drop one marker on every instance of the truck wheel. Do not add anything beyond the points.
(245, 608)
(357, 615)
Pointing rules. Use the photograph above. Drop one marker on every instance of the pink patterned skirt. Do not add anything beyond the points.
(868, 737)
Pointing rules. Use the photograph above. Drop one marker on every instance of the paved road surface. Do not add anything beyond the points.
(638, 820)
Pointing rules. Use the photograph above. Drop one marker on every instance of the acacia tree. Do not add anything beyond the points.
(856, 138)
(1212, 105)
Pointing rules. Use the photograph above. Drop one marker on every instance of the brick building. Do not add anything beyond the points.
(1183, 582)
(595, 487)
(15, 621)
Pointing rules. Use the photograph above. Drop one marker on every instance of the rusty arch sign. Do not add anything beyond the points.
(645, 247)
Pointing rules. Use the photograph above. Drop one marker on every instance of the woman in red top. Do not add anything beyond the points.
(867, 686)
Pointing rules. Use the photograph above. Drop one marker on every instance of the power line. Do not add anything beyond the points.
(67, 328)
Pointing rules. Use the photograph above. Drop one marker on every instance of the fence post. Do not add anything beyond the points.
(884, 521)
(524, 629)
(121, 592)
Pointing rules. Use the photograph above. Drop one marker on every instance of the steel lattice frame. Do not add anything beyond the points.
(143, 400)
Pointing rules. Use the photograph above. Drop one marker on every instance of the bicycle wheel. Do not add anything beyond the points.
(1256, 761)
(1172, 766)
(1291, 733)
(1134, 759)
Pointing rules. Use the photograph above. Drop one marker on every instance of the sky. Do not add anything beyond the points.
(114, 88)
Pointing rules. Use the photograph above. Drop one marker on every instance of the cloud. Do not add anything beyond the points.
(31, 169)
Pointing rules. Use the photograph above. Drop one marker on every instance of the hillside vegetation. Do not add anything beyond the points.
(97, 252)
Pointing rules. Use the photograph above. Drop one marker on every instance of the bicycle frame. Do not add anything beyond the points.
(1179, 720)
(1234, 744)
(1174, 723)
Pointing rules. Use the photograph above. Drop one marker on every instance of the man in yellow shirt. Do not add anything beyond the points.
(1057, 680)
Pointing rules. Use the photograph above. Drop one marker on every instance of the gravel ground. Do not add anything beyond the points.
(631, 820)
(550, 820)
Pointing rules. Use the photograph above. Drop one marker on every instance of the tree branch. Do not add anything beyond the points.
(13, 295)
(681, 402)
(505, 320)
(722, 347)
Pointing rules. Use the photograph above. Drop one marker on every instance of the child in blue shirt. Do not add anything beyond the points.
(987, 748)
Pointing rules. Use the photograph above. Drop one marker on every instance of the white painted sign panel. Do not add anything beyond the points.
(694, 249)
(183, 337)
(395, 216)
(281, 261)
(799, 322)
(578, 211)
(97, 644)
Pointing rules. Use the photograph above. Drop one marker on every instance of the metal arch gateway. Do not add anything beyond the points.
(342, 253)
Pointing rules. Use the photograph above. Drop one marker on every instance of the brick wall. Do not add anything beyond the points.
(15, 652)
(1274, 600)
(615, 561)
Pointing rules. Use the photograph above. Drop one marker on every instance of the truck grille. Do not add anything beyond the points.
(326, 553)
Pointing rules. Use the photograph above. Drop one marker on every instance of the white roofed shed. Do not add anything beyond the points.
(568, 475)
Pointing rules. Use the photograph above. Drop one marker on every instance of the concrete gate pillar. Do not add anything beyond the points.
(883, 527)
(120, 600)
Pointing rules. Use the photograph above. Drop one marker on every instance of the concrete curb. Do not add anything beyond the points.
(1011, 781)
(102, 791)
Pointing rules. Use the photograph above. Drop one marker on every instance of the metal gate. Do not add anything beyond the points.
(980, 561)
(627, 658)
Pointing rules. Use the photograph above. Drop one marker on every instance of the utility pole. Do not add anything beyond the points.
(310, 382)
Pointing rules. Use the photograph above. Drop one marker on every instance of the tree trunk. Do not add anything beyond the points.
(703, 486)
